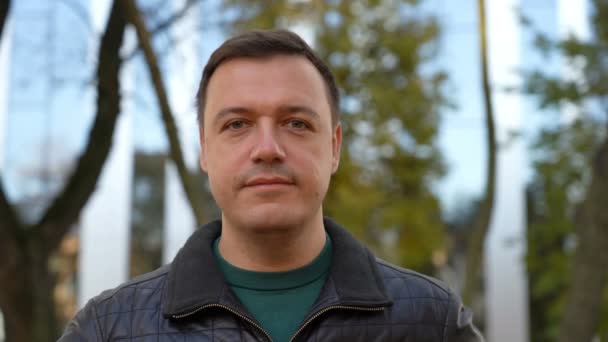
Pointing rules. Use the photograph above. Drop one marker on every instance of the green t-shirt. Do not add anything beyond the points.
(278, 300)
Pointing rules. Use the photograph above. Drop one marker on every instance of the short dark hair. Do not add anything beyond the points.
(264, 44)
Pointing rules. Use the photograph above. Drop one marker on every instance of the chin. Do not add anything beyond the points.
(266, 218)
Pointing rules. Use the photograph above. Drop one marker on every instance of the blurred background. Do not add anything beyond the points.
(475, 148)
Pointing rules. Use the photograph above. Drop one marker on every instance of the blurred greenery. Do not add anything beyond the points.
(147, 215)
(379, 52)
(553, 197)
(563, 153)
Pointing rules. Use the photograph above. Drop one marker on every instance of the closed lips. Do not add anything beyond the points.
(268, 181)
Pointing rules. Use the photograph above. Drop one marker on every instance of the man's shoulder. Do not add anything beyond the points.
(128, 296)
(419, 298)
(109, 316)
(403, 283)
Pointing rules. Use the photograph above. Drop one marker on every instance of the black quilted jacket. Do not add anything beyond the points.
(364, 299)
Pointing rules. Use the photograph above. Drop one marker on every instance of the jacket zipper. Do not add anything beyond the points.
(226, 308)
(319, 313)
(344, 307)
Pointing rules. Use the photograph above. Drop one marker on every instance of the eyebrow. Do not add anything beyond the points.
(299, 109)
(230, 110)
(290, 109)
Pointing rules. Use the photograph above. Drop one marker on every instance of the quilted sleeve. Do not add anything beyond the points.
(459, 325)
(84, 326)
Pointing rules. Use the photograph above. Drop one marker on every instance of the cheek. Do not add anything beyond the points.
(222, 157)
(315, 167)
(222, 171)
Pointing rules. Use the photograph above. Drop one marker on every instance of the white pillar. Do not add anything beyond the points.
(506, 284)
(573, 19)
(5, 48)
(184, 74)
(105, 223)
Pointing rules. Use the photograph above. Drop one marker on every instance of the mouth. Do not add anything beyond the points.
(268, 182)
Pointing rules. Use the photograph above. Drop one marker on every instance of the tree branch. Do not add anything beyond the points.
(4, 9)
(68, 204)
(8, 216)
(165, 24)
(80, 12)
(134, 16)
(481, 225)
(11, 231)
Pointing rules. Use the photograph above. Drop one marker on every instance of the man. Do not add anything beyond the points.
(273, 268)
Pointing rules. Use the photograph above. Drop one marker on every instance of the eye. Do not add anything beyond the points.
(236, 124)
(297, 124)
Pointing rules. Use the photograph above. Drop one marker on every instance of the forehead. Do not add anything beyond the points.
(259, 81)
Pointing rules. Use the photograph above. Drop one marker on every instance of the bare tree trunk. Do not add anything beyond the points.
(39, 288)
(26, 283)
(27, 297)
(474, 259)
(589, 275)
(26, 294)
(4, 9)
(14, 299)
(188, 183)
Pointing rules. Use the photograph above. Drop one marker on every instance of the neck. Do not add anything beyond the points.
(272, 250)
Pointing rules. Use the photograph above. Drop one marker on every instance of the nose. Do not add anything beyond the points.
(267, 147)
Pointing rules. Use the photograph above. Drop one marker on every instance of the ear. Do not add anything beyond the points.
(336, 145)
(203, 153)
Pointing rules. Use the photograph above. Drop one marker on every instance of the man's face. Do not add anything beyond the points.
(267, 142)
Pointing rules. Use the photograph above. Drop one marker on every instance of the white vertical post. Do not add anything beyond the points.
(5, 54)
(506, 285)
(573, 18)
(105, 224)
(184, 74)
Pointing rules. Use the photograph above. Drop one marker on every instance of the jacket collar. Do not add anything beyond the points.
(195, 280)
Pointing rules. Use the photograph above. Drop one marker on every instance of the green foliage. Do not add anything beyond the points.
(378, 51)
(562, 167)
(554, 195)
